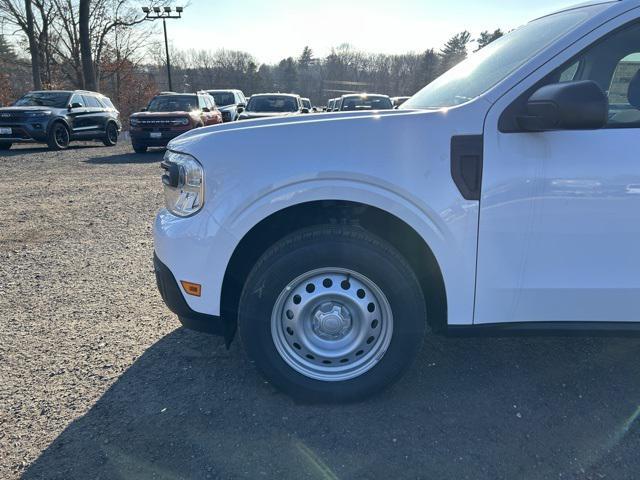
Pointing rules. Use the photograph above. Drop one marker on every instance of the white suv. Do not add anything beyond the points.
(504, 196)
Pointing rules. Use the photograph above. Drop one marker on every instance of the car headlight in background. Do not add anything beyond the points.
(183, 182)
(181, 121)
(38, 114)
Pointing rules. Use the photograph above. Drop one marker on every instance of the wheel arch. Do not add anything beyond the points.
(398, 232)
(59, 120)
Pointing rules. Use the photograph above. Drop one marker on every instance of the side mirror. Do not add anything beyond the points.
(304, 110)
(241, 105)
(75, 105)
(206, 109)
(578, 105)
(143, 109)
(240, 108)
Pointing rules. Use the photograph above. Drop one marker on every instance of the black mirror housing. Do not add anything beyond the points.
(240, 108)
(304, 110)
(580, 105)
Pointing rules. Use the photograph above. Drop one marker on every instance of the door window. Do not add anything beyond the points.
(613, 64)
(78, 99)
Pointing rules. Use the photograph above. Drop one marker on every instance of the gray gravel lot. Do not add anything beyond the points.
(99, 382)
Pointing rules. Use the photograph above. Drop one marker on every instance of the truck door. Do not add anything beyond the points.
(559, 217)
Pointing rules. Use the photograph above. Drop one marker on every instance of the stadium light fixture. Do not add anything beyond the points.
(163, 13)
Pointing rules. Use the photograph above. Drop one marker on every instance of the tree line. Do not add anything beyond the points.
(344, 70)
(104, 45)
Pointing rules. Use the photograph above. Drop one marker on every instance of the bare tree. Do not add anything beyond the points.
(33, 46)
(88, 73)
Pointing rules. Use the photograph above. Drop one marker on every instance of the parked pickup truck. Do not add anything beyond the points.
(502, 197)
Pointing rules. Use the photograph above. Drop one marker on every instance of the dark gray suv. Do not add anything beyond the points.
(56, 117)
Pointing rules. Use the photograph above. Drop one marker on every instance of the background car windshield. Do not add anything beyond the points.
(493, 63)
(272, 104)
(182, 103)
(44, 99)
(223, 98)
(366, 103)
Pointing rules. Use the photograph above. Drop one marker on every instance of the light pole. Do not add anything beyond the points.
(156, 13)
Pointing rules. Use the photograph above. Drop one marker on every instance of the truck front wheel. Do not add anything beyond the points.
(332, 313)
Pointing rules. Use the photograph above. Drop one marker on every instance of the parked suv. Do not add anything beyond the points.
(265, 105)
(231, 103)
(169, 115)
(364, 101)
(57, 117)
(503, 197)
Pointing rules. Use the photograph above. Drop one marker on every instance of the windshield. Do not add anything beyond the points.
(44, 99)
(173, 103)
(272, 104)
(223, 98)
(485, 68)
(366, 103)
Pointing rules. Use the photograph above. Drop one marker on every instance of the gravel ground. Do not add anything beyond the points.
(99, 382)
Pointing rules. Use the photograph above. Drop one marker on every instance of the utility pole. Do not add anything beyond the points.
(164, 13)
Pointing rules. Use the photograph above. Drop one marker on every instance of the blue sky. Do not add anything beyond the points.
(274, 29)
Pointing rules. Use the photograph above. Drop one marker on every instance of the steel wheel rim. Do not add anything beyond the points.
(62, 137)
(332, 324)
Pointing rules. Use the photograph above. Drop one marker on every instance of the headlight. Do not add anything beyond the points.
(183, 184)
(134, 122)
(39, 114)
(180, 121)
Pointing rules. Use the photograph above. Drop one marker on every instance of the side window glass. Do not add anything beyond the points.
(91, 101)
(201, 102)
(569, 73)
(78, 99)
(613, 64)
(622, 77)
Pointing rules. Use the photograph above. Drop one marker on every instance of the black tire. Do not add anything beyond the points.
(344, 247)
(110, 135)
(5, 145)
(59, 137)
(138, 148)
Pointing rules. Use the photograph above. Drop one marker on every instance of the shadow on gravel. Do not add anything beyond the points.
(43, 148)
(471, 408)
(123, 158)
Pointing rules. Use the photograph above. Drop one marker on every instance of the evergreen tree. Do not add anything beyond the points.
(306, 58)
(454, 51)
(287, 75)
(7, 54)
(428, 69)
(487, 37)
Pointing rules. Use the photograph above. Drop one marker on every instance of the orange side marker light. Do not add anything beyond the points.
(194, 289)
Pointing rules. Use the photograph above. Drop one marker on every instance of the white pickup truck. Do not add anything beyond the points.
(502, 197)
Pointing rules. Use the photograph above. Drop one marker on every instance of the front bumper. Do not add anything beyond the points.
(143, 137)
(25, 131)
(174, 299)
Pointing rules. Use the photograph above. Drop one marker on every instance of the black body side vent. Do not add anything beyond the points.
(466, 164)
